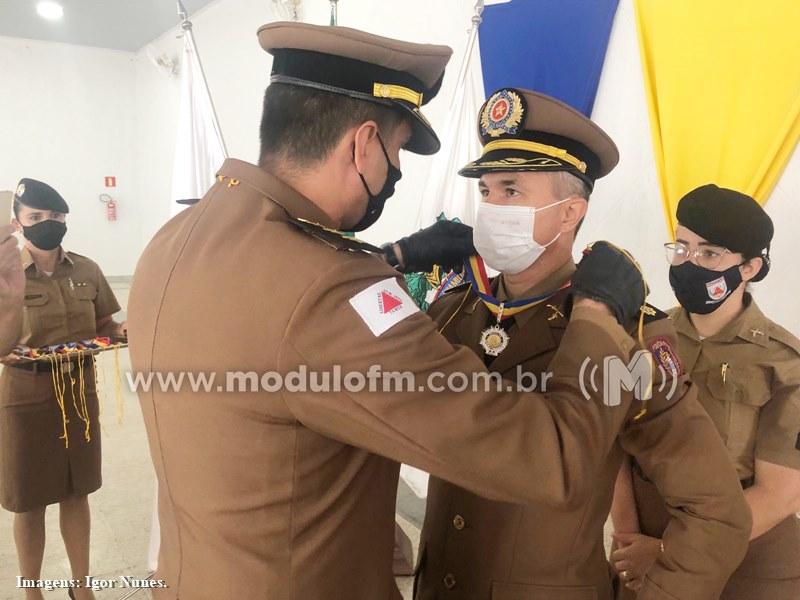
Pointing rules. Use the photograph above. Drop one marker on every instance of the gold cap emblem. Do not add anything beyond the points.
(502, 113)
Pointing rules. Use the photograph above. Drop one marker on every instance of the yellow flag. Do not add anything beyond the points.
(723, 88)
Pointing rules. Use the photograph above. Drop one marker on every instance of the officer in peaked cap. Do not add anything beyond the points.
(539, 164)
(526, 131)
(295, 498)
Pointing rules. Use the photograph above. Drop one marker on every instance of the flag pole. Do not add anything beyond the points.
(334, 12)
(477, 18)
(186, 26)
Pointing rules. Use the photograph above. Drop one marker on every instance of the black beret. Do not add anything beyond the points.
(39, 195)
(730, 219)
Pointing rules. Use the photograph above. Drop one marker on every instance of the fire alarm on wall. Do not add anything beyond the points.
(111, 181)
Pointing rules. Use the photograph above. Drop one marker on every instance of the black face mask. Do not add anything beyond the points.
(46, 235)
(702, 291)
(377, 201)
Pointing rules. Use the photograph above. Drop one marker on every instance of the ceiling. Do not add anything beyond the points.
(119, 24)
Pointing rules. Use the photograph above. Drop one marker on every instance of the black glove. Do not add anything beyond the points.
(445, 243)
(610, 275)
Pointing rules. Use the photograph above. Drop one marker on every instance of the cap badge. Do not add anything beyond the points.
(20, 189)
(502, 113)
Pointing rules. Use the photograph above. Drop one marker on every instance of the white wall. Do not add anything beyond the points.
(66, 118)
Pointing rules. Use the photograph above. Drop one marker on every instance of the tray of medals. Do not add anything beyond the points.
(68, 350)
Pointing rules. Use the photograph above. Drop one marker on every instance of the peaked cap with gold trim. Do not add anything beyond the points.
(368, 67)
(521, 130)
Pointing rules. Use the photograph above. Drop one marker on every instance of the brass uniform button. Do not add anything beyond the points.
(449, 581)
(458, 522)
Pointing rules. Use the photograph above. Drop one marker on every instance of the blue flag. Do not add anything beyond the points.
(556, 47)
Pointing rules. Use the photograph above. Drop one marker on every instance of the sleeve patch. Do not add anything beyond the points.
(665, 356)
(383, 305)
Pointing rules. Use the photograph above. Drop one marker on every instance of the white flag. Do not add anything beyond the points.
(199, 151)
(446, 191)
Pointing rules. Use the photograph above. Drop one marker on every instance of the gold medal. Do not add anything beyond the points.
(494, 340)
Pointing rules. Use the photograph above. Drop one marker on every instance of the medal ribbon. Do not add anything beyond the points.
(475, 272)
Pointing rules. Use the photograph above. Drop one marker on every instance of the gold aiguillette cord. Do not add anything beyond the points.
(58, 389)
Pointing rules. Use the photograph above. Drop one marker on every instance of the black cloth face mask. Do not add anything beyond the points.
(702, 291)
(377, 201)
(46, 235)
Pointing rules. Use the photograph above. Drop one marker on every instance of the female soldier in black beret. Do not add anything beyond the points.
(49, 441)
(747, 372)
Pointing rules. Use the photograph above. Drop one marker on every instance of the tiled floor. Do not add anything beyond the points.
(120, 509)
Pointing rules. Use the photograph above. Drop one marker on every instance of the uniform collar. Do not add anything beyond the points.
(27, 259)
(237, 172)
(751, 325)
(549, 284)
(533, 333)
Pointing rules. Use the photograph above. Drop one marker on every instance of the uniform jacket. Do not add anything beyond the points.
(473, 548)
(289, 494)
(748, 381)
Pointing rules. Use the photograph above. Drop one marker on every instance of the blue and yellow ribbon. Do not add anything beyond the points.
(475, 272)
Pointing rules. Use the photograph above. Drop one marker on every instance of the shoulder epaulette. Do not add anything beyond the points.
(334, 238)
(651, 313)
(776, 332)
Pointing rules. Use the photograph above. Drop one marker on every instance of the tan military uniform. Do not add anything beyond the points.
(748, 378)
(476, 549)
(289, 495)
(35, 467)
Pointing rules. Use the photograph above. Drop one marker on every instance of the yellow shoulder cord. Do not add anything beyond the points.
(99, 382)
(59, 393)
(87, 434)
(460, 306)
(79, 404)
(99, 393)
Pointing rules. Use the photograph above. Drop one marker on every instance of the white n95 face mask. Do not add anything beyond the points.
(503, 236)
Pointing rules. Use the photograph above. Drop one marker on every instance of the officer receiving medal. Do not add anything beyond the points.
(539, 164)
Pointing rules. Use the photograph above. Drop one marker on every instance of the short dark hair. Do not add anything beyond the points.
(17, 205)
(302, 125)
(567, 185)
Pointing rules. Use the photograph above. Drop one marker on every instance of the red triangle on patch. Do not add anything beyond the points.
(719, 291)
(389, 302)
